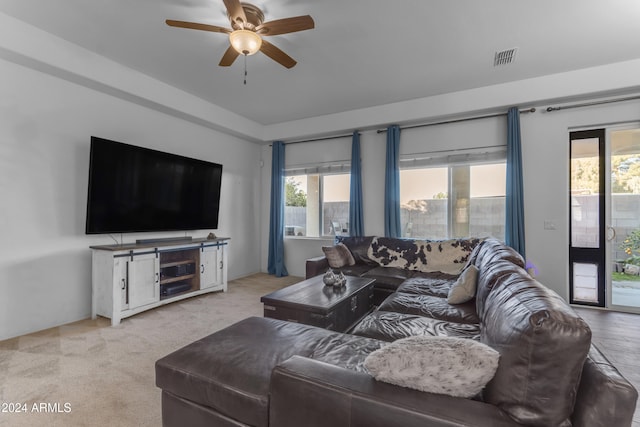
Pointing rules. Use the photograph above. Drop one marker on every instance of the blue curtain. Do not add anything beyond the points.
(514, 227)
(392, 227)
(356, 217)
(276, 224)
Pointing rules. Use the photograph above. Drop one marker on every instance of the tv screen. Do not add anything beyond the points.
(134, 189)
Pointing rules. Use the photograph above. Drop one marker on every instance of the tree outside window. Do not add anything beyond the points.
(317, 205)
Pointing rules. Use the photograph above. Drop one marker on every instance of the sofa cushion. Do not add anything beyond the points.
(543, 345)
(345, 350)
(604, 394)
(499, 272)
(447, 256)
(430, 306)
(464, 289)
(388, 278)
(390, 326)
(356, 270)
(338, 255)
(359, 247)
(436, 284)
(229, 371)
(491, 250)
(443, 365)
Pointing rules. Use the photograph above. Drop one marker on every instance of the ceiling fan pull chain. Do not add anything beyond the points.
(245, 69)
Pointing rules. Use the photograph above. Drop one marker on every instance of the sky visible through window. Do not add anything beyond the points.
(421, 184)
(425, 184)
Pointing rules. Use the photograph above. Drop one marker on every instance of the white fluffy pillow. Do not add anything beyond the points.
(464, 289)
(444, 365)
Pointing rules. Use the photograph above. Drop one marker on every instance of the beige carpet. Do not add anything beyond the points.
(91, 374)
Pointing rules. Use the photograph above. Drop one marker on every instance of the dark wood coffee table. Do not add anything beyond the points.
(312, 303)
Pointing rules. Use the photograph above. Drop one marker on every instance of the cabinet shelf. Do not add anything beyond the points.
(176, 263)
(168, 297)
(176, 279)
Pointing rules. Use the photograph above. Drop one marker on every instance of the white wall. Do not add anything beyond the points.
(45, 129)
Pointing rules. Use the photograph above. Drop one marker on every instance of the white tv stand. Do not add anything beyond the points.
(131, 278)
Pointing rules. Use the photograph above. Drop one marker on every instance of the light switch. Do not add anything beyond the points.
(549, 225)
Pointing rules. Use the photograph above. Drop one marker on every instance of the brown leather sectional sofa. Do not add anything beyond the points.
(266, 372)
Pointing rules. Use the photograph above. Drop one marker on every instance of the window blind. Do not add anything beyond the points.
(453, 157)
(323, 168)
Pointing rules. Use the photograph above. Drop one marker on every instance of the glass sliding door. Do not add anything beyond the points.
(604, 252)
(624, 218)
(587, 225)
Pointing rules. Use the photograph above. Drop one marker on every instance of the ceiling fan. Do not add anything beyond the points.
(248, 28)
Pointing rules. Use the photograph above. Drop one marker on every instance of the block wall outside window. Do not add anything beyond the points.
(317, 205)
(443, 202)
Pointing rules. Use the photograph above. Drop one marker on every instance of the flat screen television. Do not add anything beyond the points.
(135, 189)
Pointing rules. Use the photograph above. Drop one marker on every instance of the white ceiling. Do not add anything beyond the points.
(361, 53)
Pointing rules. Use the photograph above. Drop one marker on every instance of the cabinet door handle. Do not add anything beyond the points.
(221, 264)
(201, 268)
(124, 284)
(157, 277)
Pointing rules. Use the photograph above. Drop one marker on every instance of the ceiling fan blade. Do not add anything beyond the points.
(236, 12)
(277, 55)
(286, 25)
(229, 56)
(196, 26)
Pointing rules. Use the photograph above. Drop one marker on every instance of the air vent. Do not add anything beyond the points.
(505, 57)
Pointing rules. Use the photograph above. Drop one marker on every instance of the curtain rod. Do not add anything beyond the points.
(318, 139)
(486, 116)
(588, 104)
(528, 110)
(455, 150)
(300, 141)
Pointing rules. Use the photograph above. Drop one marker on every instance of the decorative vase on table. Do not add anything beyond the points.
(329, 278)
(341, 280)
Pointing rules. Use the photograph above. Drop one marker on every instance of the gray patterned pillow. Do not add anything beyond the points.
(444, 365)
(338, 256)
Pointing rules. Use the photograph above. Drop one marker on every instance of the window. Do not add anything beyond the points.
(441, 201)
(317, 204)
(423, 202)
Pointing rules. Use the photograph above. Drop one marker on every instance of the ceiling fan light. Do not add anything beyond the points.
(245, 42)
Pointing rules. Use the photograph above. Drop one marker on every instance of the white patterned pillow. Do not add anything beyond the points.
(444, 365)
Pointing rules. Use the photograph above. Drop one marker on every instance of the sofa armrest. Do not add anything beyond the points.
(314, 394)
(605, 397)
(316, 266)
